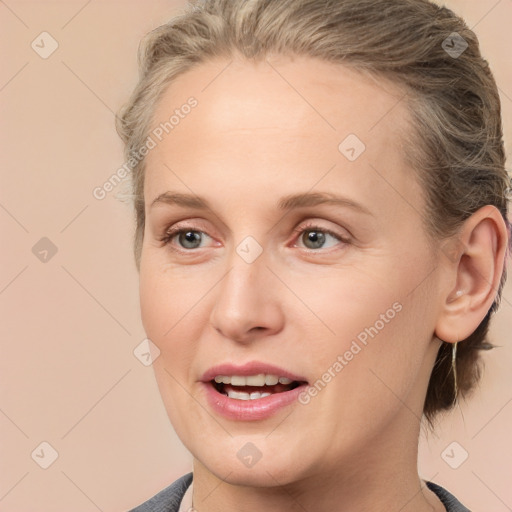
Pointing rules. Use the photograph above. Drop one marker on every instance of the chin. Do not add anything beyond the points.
(234, 465)
(270, 475)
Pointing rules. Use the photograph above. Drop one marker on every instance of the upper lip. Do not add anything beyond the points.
(249, 368)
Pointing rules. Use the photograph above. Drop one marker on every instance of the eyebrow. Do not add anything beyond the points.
(286, 203)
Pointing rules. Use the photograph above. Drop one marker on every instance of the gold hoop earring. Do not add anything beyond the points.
(454, 370)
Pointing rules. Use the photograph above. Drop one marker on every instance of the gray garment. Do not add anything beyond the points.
(451, 504)
(170, 498)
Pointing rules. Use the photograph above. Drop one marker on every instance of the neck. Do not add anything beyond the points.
(380, 476)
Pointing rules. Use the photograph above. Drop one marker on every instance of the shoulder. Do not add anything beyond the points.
(451, 503)
(169, 499)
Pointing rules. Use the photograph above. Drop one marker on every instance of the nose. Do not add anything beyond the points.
(247, 303)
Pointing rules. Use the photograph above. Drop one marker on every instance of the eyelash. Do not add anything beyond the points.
(172, 233)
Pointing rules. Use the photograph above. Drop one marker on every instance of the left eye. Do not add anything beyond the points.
(314, 237)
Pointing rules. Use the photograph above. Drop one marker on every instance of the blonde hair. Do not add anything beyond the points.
(456, 149)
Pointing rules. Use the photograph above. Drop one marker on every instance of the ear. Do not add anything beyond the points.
(473, 263)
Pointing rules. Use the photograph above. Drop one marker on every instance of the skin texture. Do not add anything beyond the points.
(260, 132)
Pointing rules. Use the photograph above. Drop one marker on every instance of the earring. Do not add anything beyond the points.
(454, 370)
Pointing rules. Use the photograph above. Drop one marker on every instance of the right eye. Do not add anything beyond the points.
(188, 238)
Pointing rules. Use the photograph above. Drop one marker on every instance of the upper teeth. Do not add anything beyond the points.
(252, 380)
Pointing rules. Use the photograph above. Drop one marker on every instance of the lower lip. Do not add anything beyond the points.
(250, 410)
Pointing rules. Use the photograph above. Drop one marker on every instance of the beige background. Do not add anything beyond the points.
(69, 325)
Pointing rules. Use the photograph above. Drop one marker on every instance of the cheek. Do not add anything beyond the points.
(386, 358)
(368, 329)
(164, 318)
(153, 305)
(166, 299)
(167, 315)
(174, 315)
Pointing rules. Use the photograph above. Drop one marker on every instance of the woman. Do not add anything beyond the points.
(321, 207)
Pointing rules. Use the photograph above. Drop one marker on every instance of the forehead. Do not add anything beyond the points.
(274, 116)
(285, 92)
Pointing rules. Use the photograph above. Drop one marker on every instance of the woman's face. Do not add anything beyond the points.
(340, 294)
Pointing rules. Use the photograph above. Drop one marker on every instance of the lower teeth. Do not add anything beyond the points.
(241, 395)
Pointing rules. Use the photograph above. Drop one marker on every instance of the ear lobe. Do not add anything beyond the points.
(475, 264)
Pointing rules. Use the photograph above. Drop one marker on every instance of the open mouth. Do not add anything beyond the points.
(253, 387)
